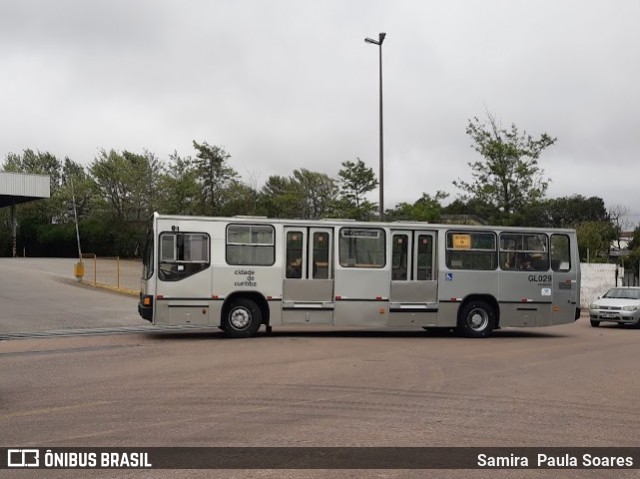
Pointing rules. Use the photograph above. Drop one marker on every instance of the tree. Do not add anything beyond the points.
(472, 207)
(594, 240)
(179, 192)
(280, 198)
(632, 261)
(144, 171)
(563, 212)
(508, 177)
(76, 187)
(635, 241)
(317, 191)
(619, 217)
(306, 194)
(240, 199)
(567, 211)
(127, 183)
(356, 179)
(214, 176)
(426, 208)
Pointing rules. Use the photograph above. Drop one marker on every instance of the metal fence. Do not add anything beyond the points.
(112, 272)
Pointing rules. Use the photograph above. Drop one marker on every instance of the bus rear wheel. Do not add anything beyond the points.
(242, 318)
(476, 319)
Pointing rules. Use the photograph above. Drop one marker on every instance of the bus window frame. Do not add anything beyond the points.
(179, 269)
(271, 246)
(381, 238)
(492, 253)
(515, 258)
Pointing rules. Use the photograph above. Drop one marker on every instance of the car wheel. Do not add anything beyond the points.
(595, 324)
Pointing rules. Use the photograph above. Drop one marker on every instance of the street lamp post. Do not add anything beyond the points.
(381, 174)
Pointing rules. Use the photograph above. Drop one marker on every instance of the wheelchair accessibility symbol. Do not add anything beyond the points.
(449, 277)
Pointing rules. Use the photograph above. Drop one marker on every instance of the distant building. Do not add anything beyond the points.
(18, 188)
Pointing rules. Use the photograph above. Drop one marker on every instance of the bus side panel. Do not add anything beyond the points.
(525, 298)
(307, 302)
(448, 314)
(456, 285)
(362, 296)
(524, 315)
(361, 313)
(275, 313)
(184, 302)
(566, 296)
(182, 312)
(247, 281)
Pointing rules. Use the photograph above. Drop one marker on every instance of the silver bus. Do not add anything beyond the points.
(240, 273)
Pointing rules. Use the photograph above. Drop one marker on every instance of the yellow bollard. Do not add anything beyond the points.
(78, 270)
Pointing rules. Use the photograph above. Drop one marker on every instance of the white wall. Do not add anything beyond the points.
(596, 280)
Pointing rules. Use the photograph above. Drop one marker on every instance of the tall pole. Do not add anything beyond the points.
(378, 42)
(75, 215)
(14, 230)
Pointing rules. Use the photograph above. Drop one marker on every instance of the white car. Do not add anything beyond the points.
(618, 305)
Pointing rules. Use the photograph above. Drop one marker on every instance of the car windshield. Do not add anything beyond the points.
(623, 293)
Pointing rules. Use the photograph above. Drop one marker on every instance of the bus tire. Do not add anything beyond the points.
(476, 319)
(242, 318)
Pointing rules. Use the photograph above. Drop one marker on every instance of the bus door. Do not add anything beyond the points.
(566, 285)
(414, 285)
(307, 290)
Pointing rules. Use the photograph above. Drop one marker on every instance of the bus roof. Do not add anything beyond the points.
(350, 222)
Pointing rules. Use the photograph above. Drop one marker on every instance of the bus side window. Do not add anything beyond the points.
(560, 253)
(507, 260)
(399, 257)
(294, 254)
(425, 258)
(182, 255)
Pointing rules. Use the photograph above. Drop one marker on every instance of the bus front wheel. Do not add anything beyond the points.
(242, 318)
(476, 319)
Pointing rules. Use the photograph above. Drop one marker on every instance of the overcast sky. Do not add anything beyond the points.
(291, 84)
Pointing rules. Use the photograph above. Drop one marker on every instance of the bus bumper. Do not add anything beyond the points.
(145, 307)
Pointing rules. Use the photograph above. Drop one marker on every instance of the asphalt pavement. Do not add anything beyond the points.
(42, 294)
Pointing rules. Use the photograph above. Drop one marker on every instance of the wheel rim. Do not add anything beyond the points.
(478, 319)
(240, 318)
